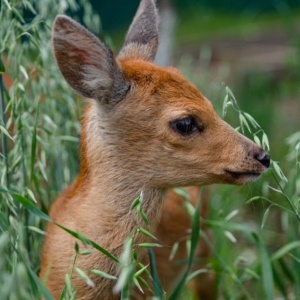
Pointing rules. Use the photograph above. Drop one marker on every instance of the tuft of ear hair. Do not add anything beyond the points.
(142, 37)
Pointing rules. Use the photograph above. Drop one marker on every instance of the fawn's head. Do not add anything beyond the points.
(148, 119)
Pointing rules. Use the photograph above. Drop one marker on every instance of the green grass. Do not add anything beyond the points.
(256, 228)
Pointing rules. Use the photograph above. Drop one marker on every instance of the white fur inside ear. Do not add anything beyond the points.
(135, 50)
(95, 78)
(141, 41)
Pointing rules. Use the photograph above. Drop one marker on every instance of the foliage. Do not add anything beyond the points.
(39, 131)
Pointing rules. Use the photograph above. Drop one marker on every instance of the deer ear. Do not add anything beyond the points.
(142, 38)
(86, 63)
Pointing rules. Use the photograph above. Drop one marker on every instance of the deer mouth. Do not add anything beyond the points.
(237, 175)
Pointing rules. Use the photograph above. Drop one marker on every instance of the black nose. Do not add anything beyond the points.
(265, 160)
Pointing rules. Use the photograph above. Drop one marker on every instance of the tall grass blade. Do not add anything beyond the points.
(266, 265)
(194, 242)
(157, 287)
(285, 249)
(31, 207)
(86, 240)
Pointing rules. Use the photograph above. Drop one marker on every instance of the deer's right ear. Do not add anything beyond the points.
(142, 37)
(86, 63)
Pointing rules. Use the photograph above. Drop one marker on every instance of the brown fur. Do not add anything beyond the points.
(128, 145)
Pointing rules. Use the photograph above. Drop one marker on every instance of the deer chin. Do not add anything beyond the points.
(243, 177)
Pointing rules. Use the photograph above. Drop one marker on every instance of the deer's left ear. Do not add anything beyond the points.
(86, 63)
(142, 38)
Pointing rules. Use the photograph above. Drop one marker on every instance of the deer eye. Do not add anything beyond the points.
(185, 126)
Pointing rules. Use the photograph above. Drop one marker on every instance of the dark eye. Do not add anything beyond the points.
(185, 126)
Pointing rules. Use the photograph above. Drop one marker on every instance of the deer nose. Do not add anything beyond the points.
(263, 158)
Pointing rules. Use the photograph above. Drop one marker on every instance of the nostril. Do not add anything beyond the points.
(265, 161)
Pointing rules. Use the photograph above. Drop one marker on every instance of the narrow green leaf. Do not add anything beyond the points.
(176, 294)
(280, 284)
(31, 207)
(7, 4)
(139, 272)
(266, 266)
(146, 233)
(288, 269)
(144, 217)
(85, 277)
(135, 202)
(146, 270)
(231, 215)
(173, 251)
(188, 246)
(253, 199)
(103, 274)
(275, 190)
(64, 291)
(230, 226)
(195, 274)
(43, 171)
(157, 287)
(230, 236)
(295, 258)
(33, 149)
(182, 192)
(84, 239)
(30, 7)
(37, 281)
(251, 120)
(76, 246)
(125, 257)
(189, 207)
(30, 194)
(68, 284)
(123, 280)
(241, 122)
(285, 249)
(2, 68)
(4, 131)
(21, 87)
(225, 105)
(265, 217)
(252, 273)
(24, 72)
(67, 138)
(44, 291)
(265, 142)
(138, 285)
(149, 245)
(244, 122)
(144, 282)
(37, 230)
(278, 171)
(230, 93)
(257, 140)
(86, 252)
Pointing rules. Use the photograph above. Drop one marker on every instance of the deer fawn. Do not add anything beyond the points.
(146, 128)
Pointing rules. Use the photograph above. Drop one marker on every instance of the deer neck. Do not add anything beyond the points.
(113, 183)
(111, 197)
